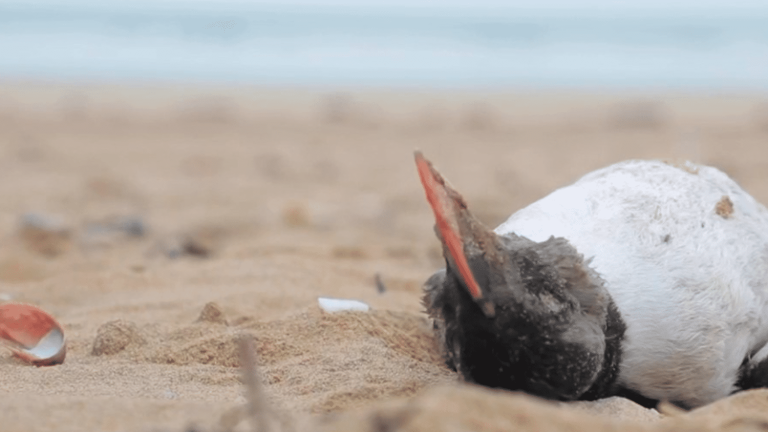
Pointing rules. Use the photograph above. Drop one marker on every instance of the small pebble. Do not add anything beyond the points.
(107, 232)
(197, 247)
(41, 221)
(202, 242)
(132, 226)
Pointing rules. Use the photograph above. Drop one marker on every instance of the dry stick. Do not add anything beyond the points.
(380, 287)
(257, 404)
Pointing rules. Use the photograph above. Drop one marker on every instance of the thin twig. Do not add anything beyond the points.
(380, 287)
(257, 403)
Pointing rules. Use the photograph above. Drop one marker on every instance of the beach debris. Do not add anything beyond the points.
(724, 207)
(169, 247)
(112, 229)
(115, 336)
(332, 305)
(201, 243)
(254, 407)
(258, 407)
(212, 313)
(44, 234)
(131, 226)
(380, 287)
(32, 334)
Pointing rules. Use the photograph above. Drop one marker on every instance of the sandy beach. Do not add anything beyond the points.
(176, 219)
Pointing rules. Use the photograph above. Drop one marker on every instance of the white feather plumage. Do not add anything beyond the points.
(689, 278)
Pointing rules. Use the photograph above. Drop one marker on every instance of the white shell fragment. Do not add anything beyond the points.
(332, 305)
(49, 347)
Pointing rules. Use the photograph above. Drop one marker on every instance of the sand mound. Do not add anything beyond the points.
(115, 336)
(305, 358)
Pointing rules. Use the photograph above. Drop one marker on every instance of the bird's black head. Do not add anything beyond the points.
(513, 313)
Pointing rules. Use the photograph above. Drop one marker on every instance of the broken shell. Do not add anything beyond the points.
(332, 305)
(32, 334)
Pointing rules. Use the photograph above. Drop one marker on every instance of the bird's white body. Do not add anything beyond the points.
(683, 251)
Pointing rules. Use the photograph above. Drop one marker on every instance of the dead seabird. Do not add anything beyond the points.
(643, 278)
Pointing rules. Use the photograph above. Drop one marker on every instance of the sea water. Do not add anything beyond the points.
(385, 45)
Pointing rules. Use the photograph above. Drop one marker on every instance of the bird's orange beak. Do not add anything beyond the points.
(456, 225)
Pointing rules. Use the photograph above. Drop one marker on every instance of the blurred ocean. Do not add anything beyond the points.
(386, 46)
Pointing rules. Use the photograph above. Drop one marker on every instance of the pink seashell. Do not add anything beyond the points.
(32, 334)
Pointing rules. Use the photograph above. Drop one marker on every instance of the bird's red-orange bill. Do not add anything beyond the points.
(445, 209)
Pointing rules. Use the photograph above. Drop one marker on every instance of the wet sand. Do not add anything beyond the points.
(253, 202)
